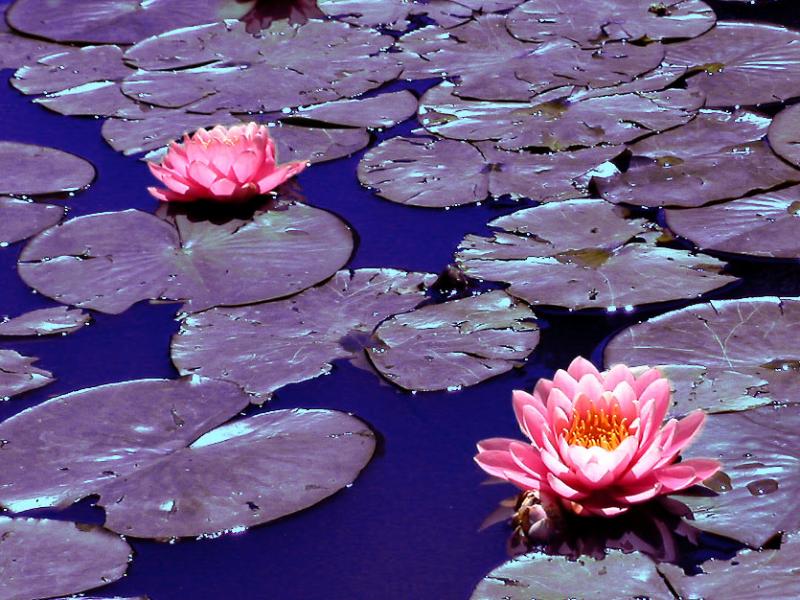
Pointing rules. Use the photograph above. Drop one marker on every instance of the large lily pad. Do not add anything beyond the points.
(45, 321)
(490, 64)
(765, 225)
(18, 375)
(736, 354)
(42, 558)
(285, 67)
(33, 170)
(585, 254)
(556, 124)
(597, 22)
(784, 134)
(718, 155)
(183, 473)
(114, 21)
(110, 261)
(739, 63)
(454, 344)
(537, 575)
(749, 574)
(20, 219)
(299, 338)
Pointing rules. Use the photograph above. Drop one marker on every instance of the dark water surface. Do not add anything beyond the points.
(408, 527)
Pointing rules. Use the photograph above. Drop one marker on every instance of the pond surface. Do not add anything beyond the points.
(411, 524)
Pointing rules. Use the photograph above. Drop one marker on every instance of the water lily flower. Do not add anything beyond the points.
(598, 443)
(226, 164)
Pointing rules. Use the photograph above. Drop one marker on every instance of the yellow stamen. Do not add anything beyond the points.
(597, 428)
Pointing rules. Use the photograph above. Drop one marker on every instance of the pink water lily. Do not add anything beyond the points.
(597, 440)
(226, 164)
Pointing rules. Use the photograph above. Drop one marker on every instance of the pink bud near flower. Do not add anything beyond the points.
(226, 164)
(597, 441)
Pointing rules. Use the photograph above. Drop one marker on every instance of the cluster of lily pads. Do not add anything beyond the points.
(592, 111)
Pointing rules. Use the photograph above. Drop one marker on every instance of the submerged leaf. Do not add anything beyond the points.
(33, 170)
(18, 375)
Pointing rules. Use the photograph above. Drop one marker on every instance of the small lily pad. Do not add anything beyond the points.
(454, 344)
(20, 219)
(42, 558)
(185, 471)
(18, 375)
(46, 321)
(110, 261)
(299, 337)
(744, 352)
(33, 170)
(585, 254)
(784, 134)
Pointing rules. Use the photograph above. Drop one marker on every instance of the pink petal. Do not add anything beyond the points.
(685, 431)
(223, 188)
(617, 375)
(542, 390)
(562, 489)
(580, 367)
(676, 477)
(703, 467)
(281, 174)
(528, 460)
(591, 386)
(498, 444)
(202, 174)
(566, 383)
(534, 425)
(557, 400)
(645, 379)
(245, 166)
(626, 400)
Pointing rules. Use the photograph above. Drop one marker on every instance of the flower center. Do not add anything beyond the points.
(597, 428)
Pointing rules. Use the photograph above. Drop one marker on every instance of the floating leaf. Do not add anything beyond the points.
(593, 23)
(379, 111)
(16, 50)
(103, 99)
(298, 337)
(537, 575)
(585, 254)
(744, 352)
(42, 558)
(784, 134)
(738, 63)
(33, 170)
(20, 219)
(18, 375)
(114, 21)
(490, 64)
(765, 225)
(557, 124)
(717, 156)
(183, 473)
(454, 344)
(45, 321)
(110, 261)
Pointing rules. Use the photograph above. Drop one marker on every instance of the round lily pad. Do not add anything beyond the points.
(18, 375)
(100, 98)
(42, 558)
(299, 337)
(594, 23)
(110, 261)
(20, 219)
(489, 64)
(585, 254)
(739, 63)
(717, 156)
(561, 123)
(115, 21)
(766, 225)
(384, 110)
(537, 575)
(33, 170)
(184, 471)
(743, 352)
(454, 344)
(45, 321)
(784, 134)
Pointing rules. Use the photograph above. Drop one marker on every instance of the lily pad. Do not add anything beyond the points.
(766, 225)
(749, 574)
(744, 352)
(454, 344)
(557, 124)
(110, 261)
(20, 219)
(585, 254)
(102, 99)
(594, 23)
(42, 558)
(316, 62)
(739, 63)
(17, 50)
(784, 134)
(115, 21)
(45, 321)
(184, 472)
(299, 337)
(537, 575)
(717, 156)
(385, 110)
(18, 375)
(490, 64)
(33, 170)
